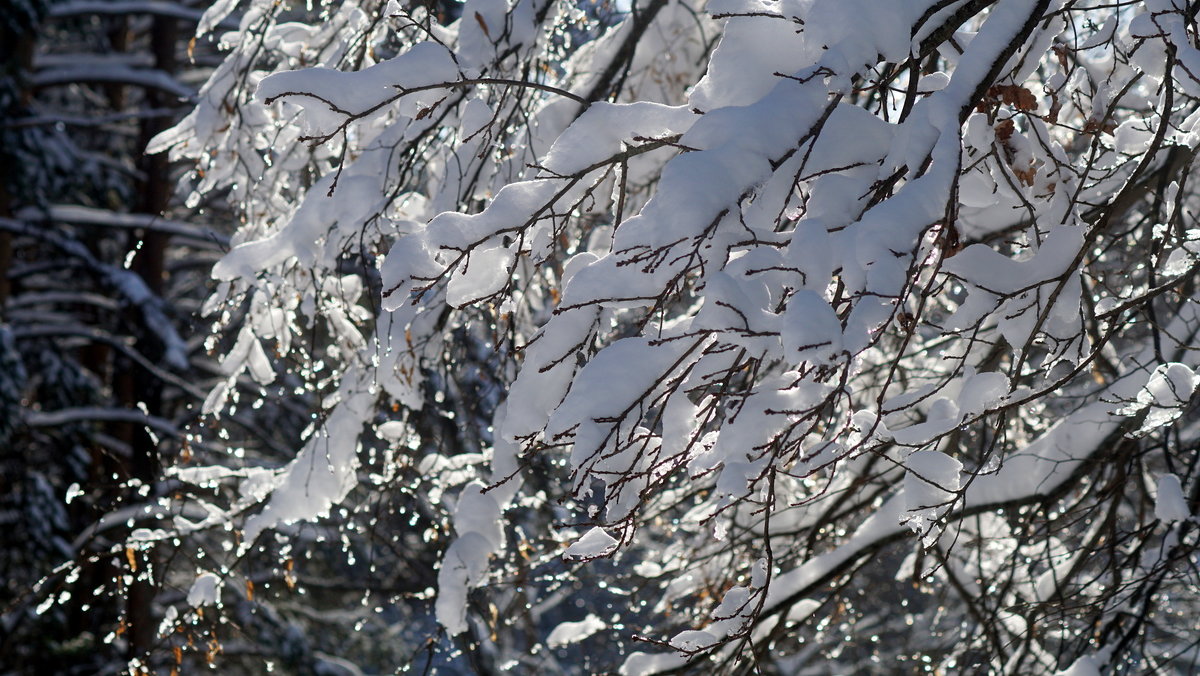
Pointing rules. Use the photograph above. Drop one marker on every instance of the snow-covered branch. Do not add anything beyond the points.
(744, 311)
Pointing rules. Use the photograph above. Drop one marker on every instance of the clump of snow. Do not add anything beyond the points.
(322, 473)
(640, 663)
(1163, 398)
(477, 521)
(1170, 504)
(214, 15)
(330, 95)
(1134, 135)
(392, 430)
(605, 128)
(205, 590)
(574, 632)
(592, 545)
(930, 487)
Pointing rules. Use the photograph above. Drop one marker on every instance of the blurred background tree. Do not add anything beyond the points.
(98, 287)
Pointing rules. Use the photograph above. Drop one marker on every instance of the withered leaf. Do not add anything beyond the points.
(1004, 129)
(483, 25)
(1018, 97)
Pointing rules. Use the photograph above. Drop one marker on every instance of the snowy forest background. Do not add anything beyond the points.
(622, 336)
